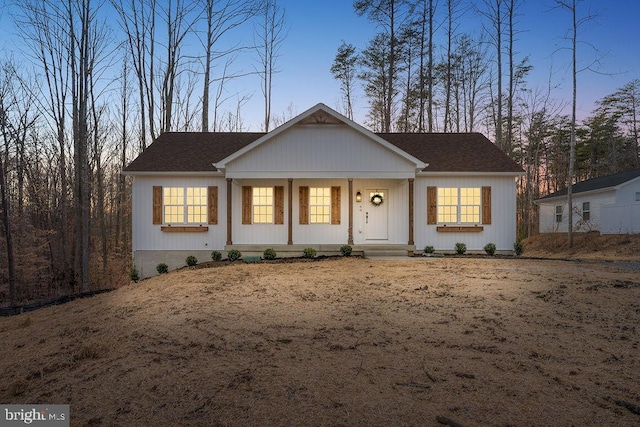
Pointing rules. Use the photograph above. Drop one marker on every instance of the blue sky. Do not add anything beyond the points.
(316, 29)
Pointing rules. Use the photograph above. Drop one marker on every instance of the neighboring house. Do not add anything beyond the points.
(322, 181)
(609, 204)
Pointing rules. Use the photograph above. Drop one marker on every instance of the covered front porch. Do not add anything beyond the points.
(374, 215)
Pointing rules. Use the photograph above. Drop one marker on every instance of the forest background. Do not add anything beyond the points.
(85, 86)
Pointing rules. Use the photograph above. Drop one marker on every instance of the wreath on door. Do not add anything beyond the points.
(376, 199)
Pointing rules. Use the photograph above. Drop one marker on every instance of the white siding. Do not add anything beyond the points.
(621, 218)
(267, 234)
(501, 231)
(149, 237)
(270, 234)
(308, 151)
(627, 192)
(548, 222)
(397, 201)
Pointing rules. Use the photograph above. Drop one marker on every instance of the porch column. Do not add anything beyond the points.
(290, 211)
(350, 238)
(229, 216)
(410, 242)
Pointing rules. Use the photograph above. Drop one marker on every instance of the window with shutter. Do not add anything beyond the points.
(213, 205)
(246, 205)
(335, 205)
(486, 205)
(432, 205)
(303, 205)
(278, 196)
(157, 205)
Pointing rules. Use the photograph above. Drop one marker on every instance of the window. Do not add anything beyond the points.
(184, 205)
(319, 205)
(470, 205)
(559, 213)
(447, 205)
(638, 196)
(262, 205)
(459, 205)
(586, 211)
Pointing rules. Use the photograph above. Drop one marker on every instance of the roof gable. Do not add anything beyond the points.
(320, 114)
(599, 183)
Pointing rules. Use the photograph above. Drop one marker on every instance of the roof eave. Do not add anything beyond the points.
(468, 173)
(581, 193)
(172, 173)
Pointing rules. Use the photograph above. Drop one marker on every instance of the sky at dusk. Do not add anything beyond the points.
(315, 30)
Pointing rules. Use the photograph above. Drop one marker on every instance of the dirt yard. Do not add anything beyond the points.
(341, 342)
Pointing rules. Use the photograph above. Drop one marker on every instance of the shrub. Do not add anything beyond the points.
(269, 253)
(429, 249)
(133, 274)
(346, 250)
(518, 248)
(309, 253)
(216, 255)
(191, 260)
(162, 268)
(490, 249)
(234, 255)
(461, 248)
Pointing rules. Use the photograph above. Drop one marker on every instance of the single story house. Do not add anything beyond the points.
(321, 181)
(608, 204)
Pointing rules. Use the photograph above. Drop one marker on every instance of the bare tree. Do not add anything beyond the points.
(495, 15)
(270, 33)
(138, 21)
(221, 18)
(390, 16)
(571, 6)
(6, 130)
(179, 21)
(425, 23)
(344, 70)
(48, 47)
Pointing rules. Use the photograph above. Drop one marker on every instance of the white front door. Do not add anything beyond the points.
(376, 209)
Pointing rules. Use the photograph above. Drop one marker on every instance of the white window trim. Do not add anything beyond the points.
(185, 206)
(327, 205)
(459, 206)
(254, 205)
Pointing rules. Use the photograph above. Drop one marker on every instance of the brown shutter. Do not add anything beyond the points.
(246, 204)
(432, 205)
(212, 201)
(278, 195)
(157, 205)
(304, 205)
(486, 205)
(335, 205)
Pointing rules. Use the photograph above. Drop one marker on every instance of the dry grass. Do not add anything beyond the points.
(489, 342)
(586, 246)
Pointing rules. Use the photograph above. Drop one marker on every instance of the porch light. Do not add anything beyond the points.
(358, 197)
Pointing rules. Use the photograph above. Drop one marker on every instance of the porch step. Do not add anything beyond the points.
(373, 253)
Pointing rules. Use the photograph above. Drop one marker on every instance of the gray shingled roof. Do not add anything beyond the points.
(444, 152)
(190, 151)
(599, 183)
(454, 152)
